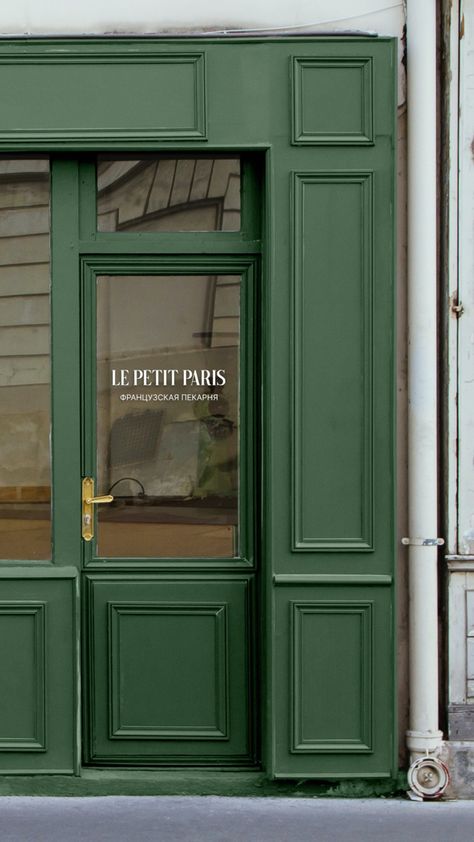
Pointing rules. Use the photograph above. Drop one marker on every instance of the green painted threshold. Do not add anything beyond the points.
(100, 782)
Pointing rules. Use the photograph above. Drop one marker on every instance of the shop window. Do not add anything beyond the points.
(25, 464)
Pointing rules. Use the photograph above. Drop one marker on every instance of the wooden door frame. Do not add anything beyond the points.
(73, 198)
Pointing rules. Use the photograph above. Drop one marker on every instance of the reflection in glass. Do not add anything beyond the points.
(168, 194)
(25, 481)
(168, 415)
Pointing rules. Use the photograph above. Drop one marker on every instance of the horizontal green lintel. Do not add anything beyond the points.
(172, 244)
(37, 571)
(332, 579)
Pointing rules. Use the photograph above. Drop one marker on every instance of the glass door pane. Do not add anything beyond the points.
(168, 415)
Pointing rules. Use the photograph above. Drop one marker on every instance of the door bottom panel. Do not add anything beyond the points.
(169, 671)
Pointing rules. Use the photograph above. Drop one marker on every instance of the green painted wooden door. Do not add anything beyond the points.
(168, 384)
(252, 532)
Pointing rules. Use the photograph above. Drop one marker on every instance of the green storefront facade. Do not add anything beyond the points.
(222, 365)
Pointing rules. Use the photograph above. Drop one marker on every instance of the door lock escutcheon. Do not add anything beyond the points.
(88, 503)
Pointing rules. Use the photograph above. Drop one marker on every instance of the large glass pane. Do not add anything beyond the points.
(25, 480)
(168, 415)
(158, 193)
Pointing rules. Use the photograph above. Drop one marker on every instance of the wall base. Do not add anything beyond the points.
(95, 782)
(459, 758)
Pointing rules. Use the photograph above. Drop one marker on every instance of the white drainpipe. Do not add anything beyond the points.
(424, 735)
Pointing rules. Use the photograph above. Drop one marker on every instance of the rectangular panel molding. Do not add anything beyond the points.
(332, 686)
(333, 362)
(139, 641)
(38, 669)
(332, 101)
(152, 95)
(169, 669)
(23, 701)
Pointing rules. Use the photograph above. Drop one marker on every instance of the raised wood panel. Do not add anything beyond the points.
(332, 100)
(23, 696)
(332, 676)
(141, 656)
(38, 669)
(170, 669)
(332, 362)
(150, 93)
(334, 700)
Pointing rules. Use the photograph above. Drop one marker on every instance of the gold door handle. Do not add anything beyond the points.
(88, 501)
(106, 498)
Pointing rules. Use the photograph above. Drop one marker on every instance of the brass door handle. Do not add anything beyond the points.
(106, 498)
(88, 501)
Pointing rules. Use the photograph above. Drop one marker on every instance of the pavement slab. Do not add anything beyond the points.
(217, 819)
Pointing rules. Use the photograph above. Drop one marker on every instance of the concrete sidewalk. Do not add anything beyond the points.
(214, 819)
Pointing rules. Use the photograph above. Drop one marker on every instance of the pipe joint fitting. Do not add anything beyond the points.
(428, 778)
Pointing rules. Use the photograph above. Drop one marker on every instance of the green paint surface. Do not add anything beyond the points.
(316, 118)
